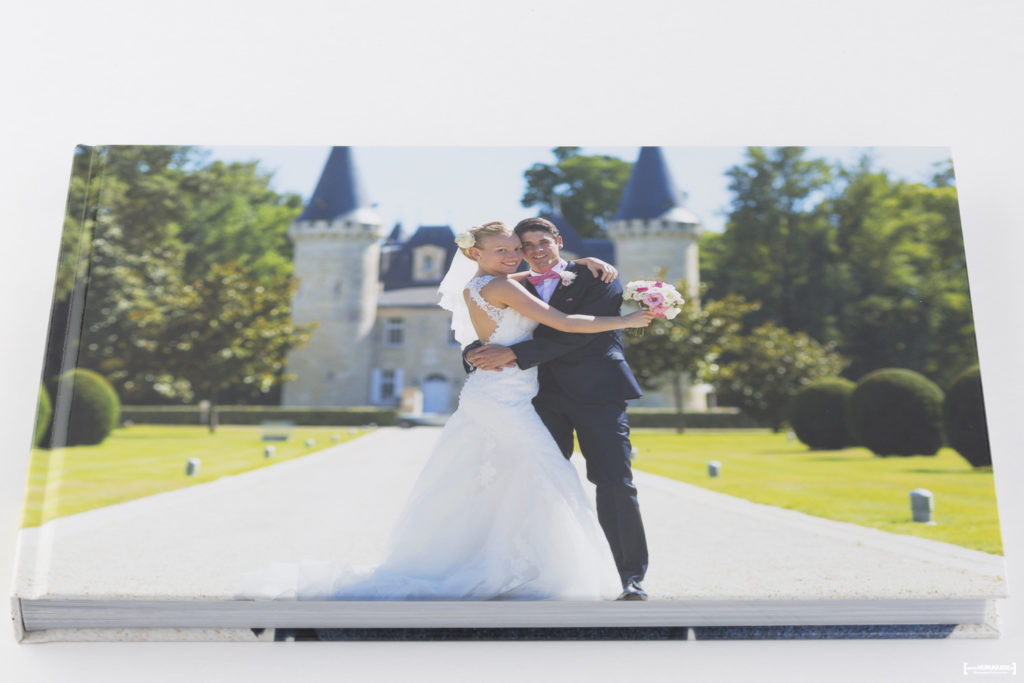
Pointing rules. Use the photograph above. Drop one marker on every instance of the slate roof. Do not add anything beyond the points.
(650, 192)
(399, 271)
(339, 190)
(395, 236)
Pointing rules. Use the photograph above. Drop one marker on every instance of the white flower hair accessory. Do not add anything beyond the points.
(465, 240)
(567, 277)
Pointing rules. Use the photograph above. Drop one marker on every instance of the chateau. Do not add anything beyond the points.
(381, 339)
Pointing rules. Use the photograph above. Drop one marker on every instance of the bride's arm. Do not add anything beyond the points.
(605, 272)
(515, 296)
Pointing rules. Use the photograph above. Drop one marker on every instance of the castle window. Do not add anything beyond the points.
(386, 386)
(428, 263)
(394, 331)
(452, 341)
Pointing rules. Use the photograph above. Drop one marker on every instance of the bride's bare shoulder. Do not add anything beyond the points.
(502, 288)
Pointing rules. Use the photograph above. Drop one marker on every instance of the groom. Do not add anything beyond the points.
(584, 386)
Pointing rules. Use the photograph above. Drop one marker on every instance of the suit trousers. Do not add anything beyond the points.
(603, 434)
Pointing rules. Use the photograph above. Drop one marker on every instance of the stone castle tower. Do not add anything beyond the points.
(655, 237)
(337, 260)
(652, 231)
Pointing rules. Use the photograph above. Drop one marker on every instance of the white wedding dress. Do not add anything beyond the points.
(496, 513)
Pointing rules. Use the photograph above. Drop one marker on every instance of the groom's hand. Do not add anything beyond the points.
(491, 357)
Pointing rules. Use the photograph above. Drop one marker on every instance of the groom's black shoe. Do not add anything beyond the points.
(632, 591)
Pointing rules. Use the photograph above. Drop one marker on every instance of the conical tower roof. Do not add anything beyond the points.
(650, 192)
(339, 191)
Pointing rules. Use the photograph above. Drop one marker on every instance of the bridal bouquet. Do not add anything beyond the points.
(663, 300)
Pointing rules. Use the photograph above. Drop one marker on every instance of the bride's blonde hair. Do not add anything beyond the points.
(486, 230)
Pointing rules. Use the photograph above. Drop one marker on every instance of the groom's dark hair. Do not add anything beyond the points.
(532, 224)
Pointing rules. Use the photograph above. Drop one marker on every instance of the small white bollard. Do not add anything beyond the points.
(310, 442)
(352, 430)
(714, 468)
(335, 437)
(192, 468)
(791, 436)
(268, 451)
(922, 504)
(633, 453)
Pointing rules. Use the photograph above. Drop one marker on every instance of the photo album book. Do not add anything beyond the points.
(373, 393)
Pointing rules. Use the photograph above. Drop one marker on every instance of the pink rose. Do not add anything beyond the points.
(660, 310)
(653, 299)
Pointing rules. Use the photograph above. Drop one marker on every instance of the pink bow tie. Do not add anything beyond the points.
(537, 279)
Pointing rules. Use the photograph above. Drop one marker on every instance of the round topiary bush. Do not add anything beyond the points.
(897, 412)
(819, 416)
(964, 410)
(94, 410)
(43, 412)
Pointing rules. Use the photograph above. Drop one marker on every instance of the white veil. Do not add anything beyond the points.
(461, 272)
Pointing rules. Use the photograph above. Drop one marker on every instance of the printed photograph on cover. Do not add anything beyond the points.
(511, 373)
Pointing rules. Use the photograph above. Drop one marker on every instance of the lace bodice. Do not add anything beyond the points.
(513, 327)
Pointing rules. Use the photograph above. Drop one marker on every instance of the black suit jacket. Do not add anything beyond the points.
(589, 368)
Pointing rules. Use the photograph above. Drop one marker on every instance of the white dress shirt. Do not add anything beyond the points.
(546, 288)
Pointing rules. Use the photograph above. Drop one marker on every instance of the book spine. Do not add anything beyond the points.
(17, 620)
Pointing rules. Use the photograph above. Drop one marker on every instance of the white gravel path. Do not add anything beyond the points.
(339, 503)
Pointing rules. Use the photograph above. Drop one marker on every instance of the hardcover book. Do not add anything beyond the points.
(277, 404)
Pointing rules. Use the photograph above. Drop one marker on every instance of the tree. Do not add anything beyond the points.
(687, 346)
(132, 297)
(943, 175)
(901, 280)
(124, 198)
(762, 371)
(157, 222)
(777, 247)
(233, 215)
(850, 256)
(586, 190)
(231, 329)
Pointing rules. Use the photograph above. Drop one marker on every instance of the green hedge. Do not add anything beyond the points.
(897, 412)
(819, 414)
(44, 410)
(254, 415)
(964, 410)
(667, 418)
(94, 409)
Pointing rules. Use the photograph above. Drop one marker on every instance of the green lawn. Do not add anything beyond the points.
(142, 460)
(850, 485)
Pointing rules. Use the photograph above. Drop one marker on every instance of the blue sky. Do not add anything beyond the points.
(466, 186)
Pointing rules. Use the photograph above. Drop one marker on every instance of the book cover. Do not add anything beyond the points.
(255, 422)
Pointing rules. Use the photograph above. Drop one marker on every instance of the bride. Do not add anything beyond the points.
(497, 512)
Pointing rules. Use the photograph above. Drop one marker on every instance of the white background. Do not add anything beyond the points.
(864, 72)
